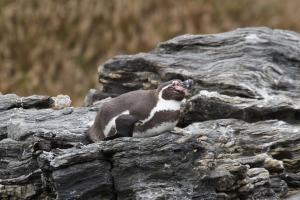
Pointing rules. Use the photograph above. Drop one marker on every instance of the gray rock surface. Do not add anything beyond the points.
(271, 145)
(26, 133)
(240, 141)
(9, 101)
(48, 159)
(44, 156)
(251, 73)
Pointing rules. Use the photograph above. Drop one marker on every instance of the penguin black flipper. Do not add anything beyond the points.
(124, 127)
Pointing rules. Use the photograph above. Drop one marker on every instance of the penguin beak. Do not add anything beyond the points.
(182, 86)
(188, 84)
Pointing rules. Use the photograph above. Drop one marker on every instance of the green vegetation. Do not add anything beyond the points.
(53, 46)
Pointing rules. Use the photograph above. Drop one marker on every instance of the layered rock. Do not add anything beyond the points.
(10, 101)
(240, 138)
(43, 155)
(272, 146)
(251, 73)
(25, 133)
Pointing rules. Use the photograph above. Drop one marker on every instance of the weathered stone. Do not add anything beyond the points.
(279, 186)
(277, 138)
(270, 145)
(292, 179)
(25, 132)
(126, 168)
(47, 153)
(250, 73)
(61, 101)
(10, 101)
(294, 196)
(168, 166)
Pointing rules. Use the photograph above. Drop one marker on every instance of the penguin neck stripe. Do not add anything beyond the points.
(163, 105)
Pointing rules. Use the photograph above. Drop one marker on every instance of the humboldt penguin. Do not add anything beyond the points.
(140, 113)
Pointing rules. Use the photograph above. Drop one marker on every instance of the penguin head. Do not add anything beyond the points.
(174, 89)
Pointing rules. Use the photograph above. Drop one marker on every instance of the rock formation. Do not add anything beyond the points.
(240, 136)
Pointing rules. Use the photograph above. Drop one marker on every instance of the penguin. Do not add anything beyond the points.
(140, 113)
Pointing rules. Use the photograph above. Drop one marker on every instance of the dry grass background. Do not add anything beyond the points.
(54, 46)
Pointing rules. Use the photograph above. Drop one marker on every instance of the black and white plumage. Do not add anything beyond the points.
(140, 113)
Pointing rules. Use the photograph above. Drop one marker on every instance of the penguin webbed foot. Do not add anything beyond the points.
(179, 131)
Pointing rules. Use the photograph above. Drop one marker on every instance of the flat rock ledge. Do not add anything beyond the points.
(239, 135)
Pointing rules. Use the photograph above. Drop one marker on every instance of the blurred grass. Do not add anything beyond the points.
(52, 46)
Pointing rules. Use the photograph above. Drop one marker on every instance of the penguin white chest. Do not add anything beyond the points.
(163, 117)
(163, 106)
(163, 127)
